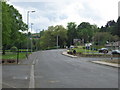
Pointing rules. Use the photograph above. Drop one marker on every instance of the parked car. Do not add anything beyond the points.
(71, 47)
(116, 52)
(103, 50)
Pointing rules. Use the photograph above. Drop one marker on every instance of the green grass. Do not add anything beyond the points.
(24, 50)
(11, 55)
(19, 50)
(80, 50)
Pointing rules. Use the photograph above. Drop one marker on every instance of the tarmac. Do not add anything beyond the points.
(96, 62)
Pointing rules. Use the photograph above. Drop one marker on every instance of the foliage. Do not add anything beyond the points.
(86, 31)
(100, 38)
(49, 38)
(13, 49)
(71, 33)
(11, 23)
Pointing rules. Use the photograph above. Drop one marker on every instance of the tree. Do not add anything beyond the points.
(100, 38)
(86, 31)
(118, 27)
(111, 27)
(6, 26)
(61, 32)
(71, 33)
(49, 38)
(11, 23)
(42, 33)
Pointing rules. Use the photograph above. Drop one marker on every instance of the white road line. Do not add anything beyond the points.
(8, 85)
(32, 77)
(32, 82)
(36, 60)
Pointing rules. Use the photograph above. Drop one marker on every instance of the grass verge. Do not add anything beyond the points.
(10, 55)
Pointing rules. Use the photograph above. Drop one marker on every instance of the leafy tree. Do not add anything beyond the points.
(71, 33)
(100, 38)
(111, 27)
(61, 32)
(49, 38)
(118, 27)
(11, 23)
(86, 31)
(42, 33)
(6, 26)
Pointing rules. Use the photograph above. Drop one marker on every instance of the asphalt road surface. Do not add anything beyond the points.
(51, 69)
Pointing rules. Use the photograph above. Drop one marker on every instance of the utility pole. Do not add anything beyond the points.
(31, 36)
(37, 37)
(27, 30)
(57, 41)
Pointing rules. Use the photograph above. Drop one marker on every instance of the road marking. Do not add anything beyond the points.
(32, 82)
(20, 77)
(53, 81)
(36, 60)
(8, 85)
(32, 78)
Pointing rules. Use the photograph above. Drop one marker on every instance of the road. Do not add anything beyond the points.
(51, 69)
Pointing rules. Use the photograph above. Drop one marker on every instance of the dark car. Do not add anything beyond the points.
(103, 50)
(116, 52)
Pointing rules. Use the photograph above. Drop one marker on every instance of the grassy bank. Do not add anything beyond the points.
(11, 55)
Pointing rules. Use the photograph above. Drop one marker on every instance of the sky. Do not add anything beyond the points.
(60, 12)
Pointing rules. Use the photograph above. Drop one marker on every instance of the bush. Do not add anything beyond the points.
(84, 47)
(13, 49)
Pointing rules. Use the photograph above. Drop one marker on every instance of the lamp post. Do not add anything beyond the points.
(31, 36)
(37, 38)
(28, 29)
(57, 42)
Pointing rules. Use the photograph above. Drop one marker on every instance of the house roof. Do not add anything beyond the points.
(113, 44)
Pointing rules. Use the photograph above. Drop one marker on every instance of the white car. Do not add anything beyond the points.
(116, 52)
(71, 47)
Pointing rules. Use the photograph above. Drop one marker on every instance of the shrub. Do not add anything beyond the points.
(13, 49)
(84, 47)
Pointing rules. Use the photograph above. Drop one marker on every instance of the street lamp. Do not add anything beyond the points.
(31, 36)
(28, 29)
(57, 42)
(37, 38)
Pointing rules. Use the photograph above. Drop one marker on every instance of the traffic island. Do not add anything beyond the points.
(79, 54)
(112, 63)
(69, 55)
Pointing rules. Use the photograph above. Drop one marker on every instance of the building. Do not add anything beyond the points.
(113, 45)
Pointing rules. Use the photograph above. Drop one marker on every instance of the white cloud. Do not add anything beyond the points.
(54, 12)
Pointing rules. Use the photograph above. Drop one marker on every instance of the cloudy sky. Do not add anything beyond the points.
(60, 12)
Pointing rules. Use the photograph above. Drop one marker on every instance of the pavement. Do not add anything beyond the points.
(19, 75)
(97, 62)
(106, 63)
(51, 69)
